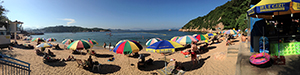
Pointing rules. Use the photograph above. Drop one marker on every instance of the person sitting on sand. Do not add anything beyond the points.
(57, 47)
(215, 38)
(90, 61)
(38, 52)
(104, 45)
(50, 53)
(178, 66)
(229, 42)
(50, 59)
(142, 57)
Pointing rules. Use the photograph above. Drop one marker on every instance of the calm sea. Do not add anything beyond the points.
(116, 36)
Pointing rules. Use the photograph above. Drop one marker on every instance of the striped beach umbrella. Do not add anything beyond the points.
(50, 40)
(67, 41)
(175, 38)
(201, 37)
(135, 42)
(230, 32)
(46, 45)
(79, 45)
(126, 47)
(187, 39)
(93, 42)
(153, 40)
(37, 39)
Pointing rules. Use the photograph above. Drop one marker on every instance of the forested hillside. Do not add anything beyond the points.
(72, 29)
(230, 15)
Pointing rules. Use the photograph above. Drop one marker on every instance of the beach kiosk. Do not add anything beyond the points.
(4, 38)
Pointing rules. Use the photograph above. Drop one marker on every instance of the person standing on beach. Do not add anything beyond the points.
(109, 46)
(104, 45)
(193, 54)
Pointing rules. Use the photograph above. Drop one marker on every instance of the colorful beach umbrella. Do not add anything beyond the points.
(152, 40)
(201, 37)
(211, 34)
(50, 40)
(79, 45)
(187, 39)
(230, 32)
(67, 41)
(175, 38)
(46, 45)
(163, 46)
(37, 39)
(135, 42)
(93, 42)
(126, 47)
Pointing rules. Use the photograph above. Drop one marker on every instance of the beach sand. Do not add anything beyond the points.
(213, 62)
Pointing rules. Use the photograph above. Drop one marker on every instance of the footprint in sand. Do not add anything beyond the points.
(220, 55)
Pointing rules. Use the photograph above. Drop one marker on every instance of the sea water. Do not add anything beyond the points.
(115, 36)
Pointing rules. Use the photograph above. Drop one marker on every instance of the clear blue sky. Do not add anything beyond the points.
(114, 14)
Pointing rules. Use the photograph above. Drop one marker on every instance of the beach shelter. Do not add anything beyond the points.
(37, 39)
(152, 40)
(135, 42)
(187, 39)
(51, 39)
(79, 45)
(175, 38)
(67, 41)
(46, 45)
(93, 42)
(126, 47)
(269, 8)
(163, 46)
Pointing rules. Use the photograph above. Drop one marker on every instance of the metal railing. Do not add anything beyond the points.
(12, 66)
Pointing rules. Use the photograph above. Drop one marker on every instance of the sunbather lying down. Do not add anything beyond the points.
(70, 58)
(47, 58)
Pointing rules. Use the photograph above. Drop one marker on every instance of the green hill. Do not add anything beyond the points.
(230, 15)
(72, 29)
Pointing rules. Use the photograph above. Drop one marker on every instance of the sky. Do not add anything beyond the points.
(108, 14)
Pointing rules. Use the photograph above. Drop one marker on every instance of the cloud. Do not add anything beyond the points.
(71, 21)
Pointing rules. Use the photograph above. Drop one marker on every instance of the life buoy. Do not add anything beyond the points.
(255, 61)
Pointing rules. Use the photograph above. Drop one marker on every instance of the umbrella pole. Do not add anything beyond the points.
(165, 65)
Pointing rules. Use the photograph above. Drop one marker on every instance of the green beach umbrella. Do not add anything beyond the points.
(79, 45)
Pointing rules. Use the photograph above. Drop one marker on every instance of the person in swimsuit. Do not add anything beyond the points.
(193, 54)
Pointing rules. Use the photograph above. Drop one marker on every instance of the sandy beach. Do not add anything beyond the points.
(213, 62)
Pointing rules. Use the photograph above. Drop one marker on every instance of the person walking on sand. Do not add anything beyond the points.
(193, 54)
(104, 45)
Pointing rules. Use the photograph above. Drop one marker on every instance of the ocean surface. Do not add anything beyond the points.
(116, 36)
